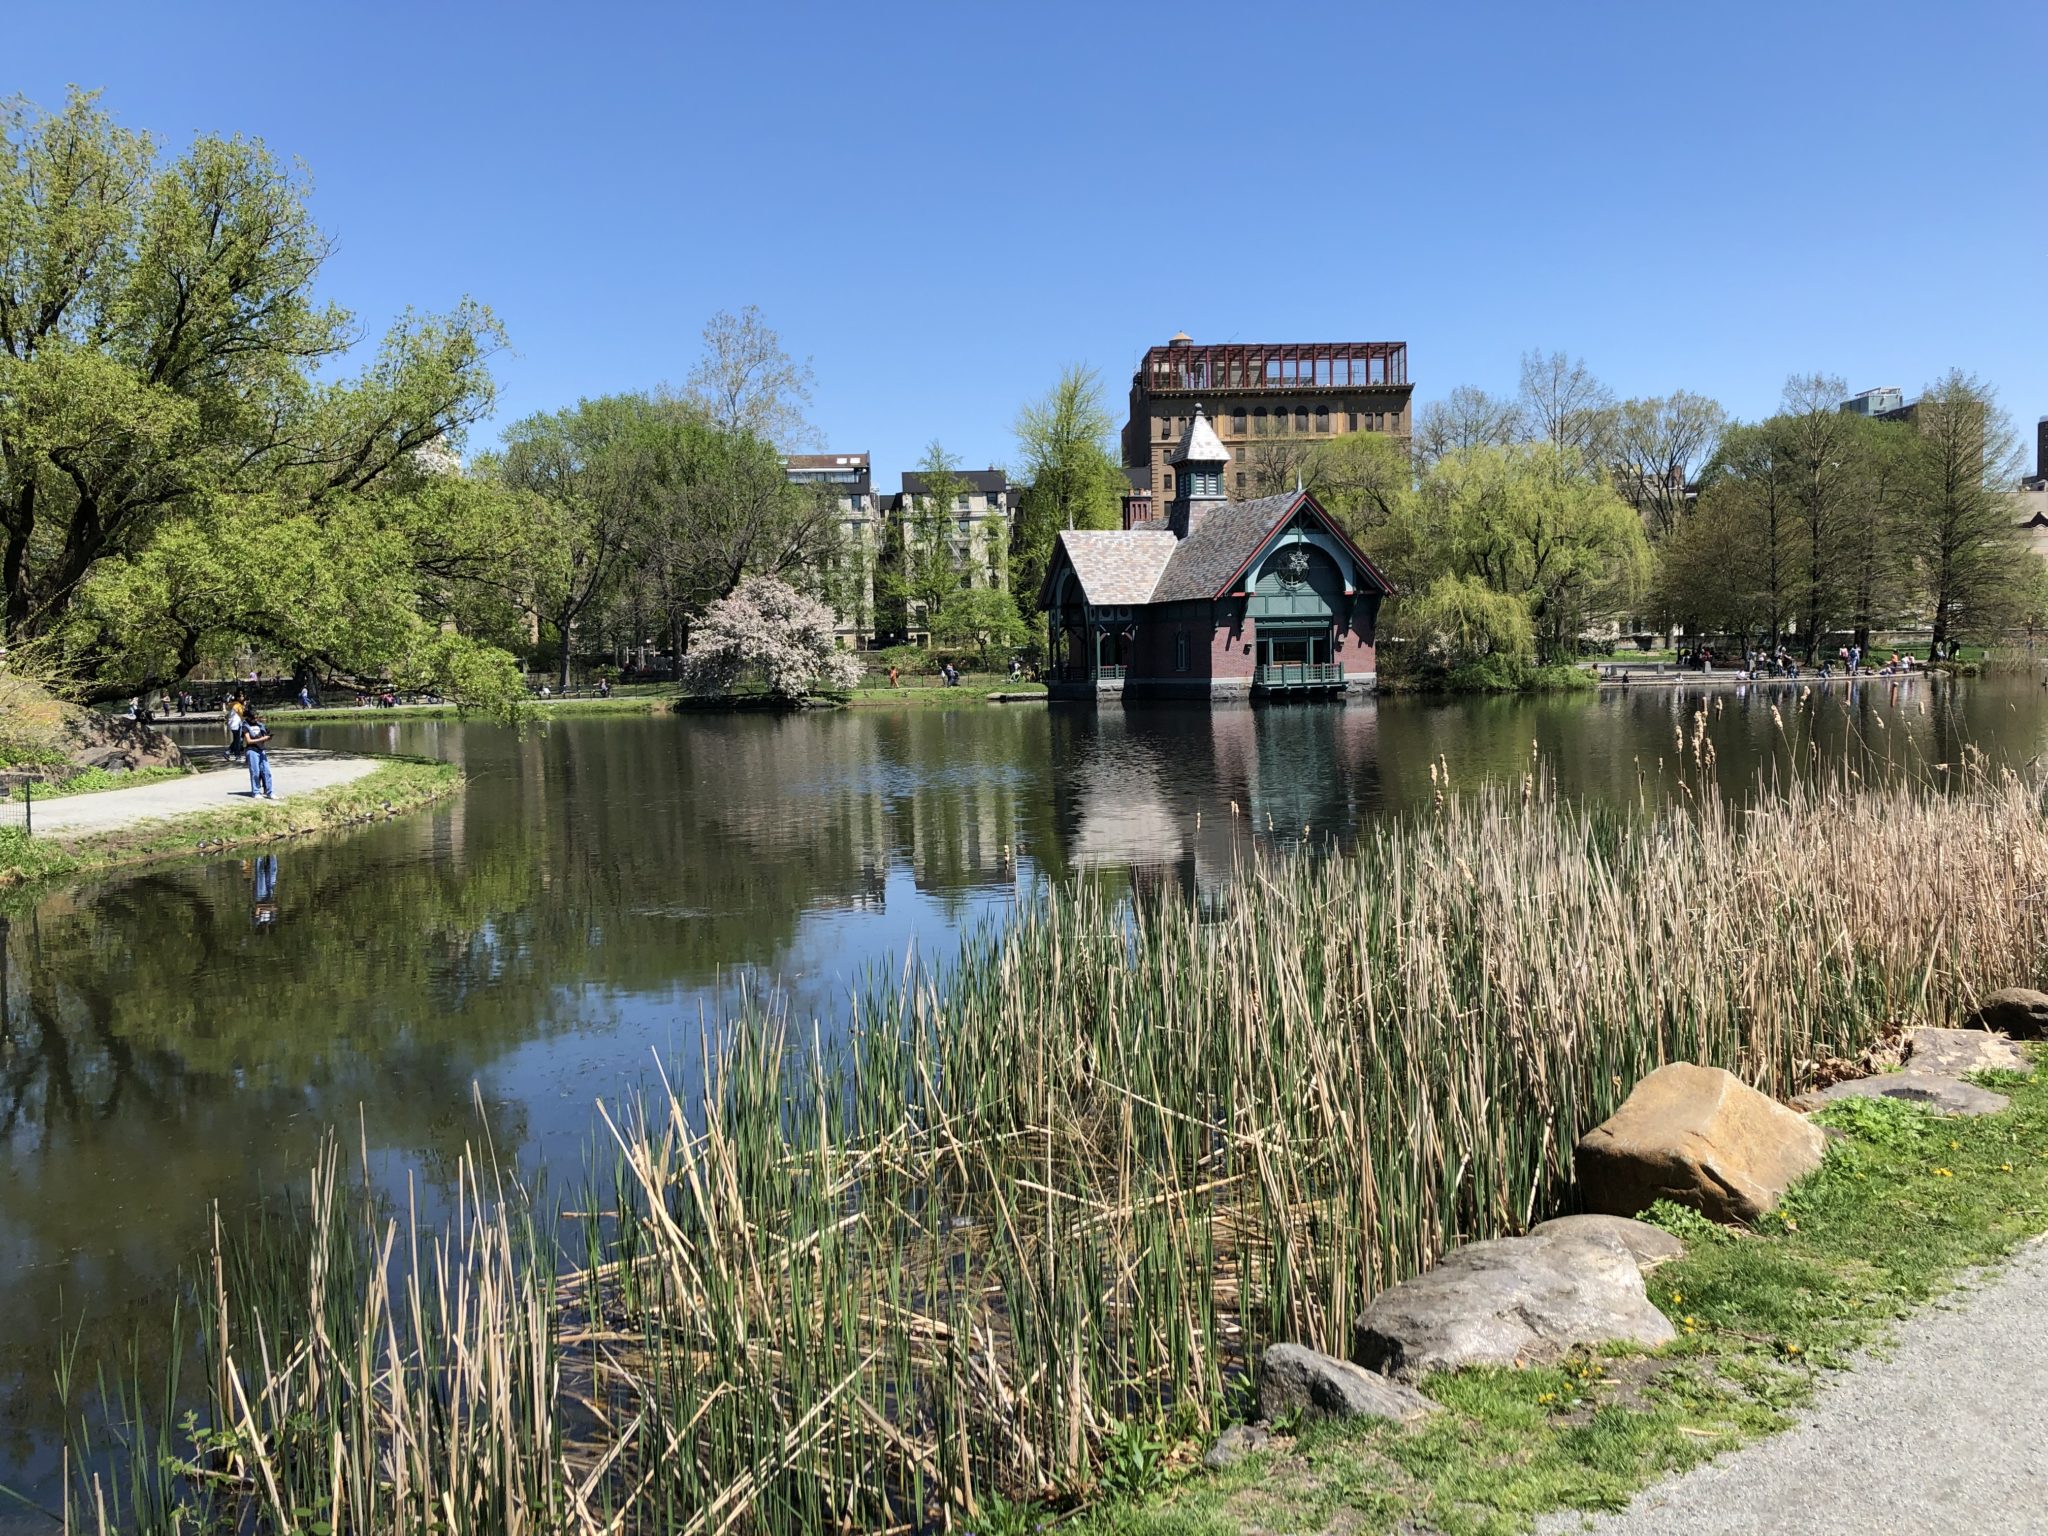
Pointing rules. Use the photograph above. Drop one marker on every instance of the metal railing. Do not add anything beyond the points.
(1298, 674)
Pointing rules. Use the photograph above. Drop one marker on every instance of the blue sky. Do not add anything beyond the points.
(942, 204)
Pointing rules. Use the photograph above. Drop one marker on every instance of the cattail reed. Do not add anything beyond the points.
(1077, 1179)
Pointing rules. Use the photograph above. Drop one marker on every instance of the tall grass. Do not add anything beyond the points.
(1075, 1182)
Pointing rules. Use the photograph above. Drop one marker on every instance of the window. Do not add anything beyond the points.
(1352, 418)
(1240, 479)
(1280, 420)
(1166, 428)
(1259, 421)
(1322, 418)
(1301, 418)
(1180, 651)
(1169, 482)
(1237, 421)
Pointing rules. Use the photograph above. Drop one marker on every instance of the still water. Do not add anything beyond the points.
(187, 1035)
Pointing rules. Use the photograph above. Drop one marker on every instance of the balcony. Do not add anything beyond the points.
(1298, 677)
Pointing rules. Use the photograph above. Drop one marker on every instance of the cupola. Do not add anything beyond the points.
(1198, 476)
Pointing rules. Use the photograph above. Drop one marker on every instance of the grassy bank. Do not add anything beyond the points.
(537, 709)
(398, 785)
(1015, 1246)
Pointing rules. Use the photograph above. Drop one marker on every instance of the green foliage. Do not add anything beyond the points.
(1528, 524)
(1132, 1462)
(981, 619)
(1065, 446)
(1685, 1223)
(176, 480)
(1891, 1124)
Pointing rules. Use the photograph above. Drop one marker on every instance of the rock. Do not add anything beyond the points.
(1234, 1444)
(1512, 1301)
(1701, 1137)
(1296, 1379)
(1648, 1245)
(1943, 1095)
(2018, 1011)
(1956, 1052)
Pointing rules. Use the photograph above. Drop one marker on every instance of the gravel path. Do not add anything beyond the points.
(294, 771)
(1944, 1437)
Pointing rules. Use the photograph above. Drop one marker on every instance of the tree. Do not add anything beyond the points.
(1972, 557)
(1660, 447)
(1274, 467)
(983, 618)
(1362, 478)
(1465, 418)
(1459, 632)
(745, 382)
(176, 481)
(583, 477)
(934, 572)
(1525, 526)
(767, 630)
(1074, 479)
(1564, 405)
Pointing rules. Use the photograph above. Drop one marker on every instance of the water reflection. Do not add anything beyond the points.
(187, 1034)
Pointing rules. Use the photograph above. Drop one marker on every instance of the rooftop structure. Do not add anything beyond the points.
(1875, 402)
(1290, 393)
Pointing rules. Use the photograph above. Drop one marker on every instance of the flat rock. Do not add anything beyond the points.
(1957, 1052)
(1296, 1379)
(1510, 1302)
(2019, 1011)
(1648, 1245)
(1943, 1095)
(1234, 1444)
(1698, 1136)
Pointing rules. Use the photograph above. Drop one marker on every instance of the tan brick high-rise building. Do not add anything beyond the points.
(1262, 400)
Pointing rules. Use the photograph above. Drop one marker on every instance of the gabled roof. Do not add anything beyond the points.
(1220, 546)
(1116, 569)
(1153, 565)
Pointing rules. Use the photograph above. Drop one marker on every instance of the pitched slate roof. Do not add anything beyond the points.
(1220, 545)
(1121, 568)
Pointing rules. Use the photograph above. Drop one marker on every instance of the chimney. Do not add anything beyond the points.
(1198, 476)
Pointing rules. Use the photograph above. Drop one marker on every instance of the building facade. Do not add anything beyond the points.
(1216, 598)
(1261, 400)
(848, 478)
(977, 523)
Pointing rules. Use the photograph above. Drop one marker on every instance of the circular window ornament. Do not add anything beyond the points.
(1294, 568)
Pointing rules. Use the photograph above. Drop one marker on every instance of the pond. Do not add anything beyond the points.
(188, 1034)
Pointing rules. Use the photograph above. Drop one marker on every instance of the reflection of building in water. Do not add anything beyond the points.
(1179, 798)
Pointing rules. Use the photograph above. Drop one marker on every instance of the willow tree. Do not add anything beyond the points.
(181, 476)
(1073, 479)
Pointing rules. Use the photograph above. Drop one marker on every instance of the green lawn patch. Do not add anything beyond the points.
(1905, 1204)
(394, 787)
(93, 781)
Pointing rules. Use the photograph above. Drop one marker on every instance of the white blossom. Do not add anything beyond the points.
(769, 632)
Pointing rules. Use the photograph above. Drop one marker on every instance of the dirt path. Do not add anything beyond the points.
(295, 771)
(1942, 1435)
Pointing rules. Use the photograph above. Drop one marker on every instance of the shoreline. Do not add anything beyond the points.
(393, 786)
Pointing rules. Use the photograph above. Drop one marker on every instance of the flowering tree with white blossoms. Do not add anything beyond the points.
(767, 630)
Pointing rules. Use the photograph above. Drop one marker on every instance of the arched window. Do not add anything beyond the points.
(1259, 421)
(1301, 418)
(1322, 418)
(1237, 421)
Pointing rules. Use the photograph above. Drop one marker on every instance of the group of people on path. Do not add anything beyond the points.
(249, 742)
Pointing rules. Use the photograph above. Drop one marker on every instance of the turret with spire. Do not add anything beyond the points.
(1198, 476)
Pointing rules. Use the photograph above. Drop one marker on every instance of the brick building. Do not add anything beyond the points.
(851, 586)
(1261, 399)
(1217, 599)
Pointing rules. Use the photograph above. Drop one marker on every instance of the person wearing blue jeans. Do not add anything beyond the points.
(256, 742)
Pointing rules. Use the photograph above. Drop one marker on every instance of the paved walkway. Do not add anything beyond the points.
(295, 771)
(1945, 1436)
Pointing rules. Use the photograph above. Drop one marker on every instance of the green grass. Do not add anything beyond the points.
(93, 781)
(1905, 1204)
(639, 702)
(396, 785)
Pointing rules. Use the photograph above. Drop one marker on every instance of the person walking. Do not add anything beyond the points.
(305, 697)
(256, 744)
(235, 721)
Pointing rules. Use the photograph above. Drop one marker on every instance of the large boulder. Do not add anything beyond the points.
(1942, 1095)
(1510, 1302)
(1701, 1137)
(1956, 1052)
(1294, 1379)
(2017, 1011)
(1649, 1246)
